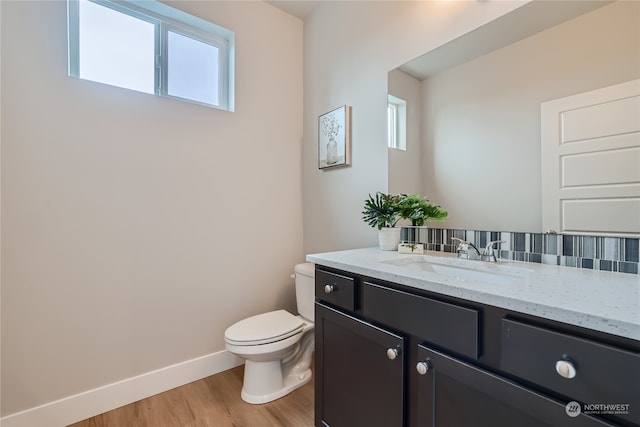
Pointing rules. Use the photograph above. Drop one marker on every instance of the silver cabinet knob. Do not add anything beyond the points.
(565, 369)
(329, 288)
(392, 353)
(423, 367)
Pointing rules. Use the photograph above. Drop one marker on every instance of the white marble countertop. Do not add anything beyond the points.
(599, 300)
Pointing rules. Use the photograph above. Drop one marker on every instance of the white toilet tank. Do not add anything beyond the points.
(305, 274)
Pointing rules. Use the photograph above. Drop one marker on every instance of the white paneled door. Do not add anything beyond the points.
(591, 162)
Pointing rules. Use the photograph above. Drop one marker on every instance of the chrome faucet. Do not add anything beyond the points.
(487, 255)
(463, 250)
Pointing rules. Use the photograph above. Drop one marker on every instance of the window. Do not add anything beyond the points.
(156, 49)
(397, 123)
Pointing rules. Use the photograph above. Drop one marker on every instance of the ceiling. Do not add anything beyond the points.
(299, 8)
(523, 22)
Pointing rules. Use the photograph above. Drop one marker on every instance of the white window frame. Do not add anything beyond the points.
(165, 19)
(397, 123)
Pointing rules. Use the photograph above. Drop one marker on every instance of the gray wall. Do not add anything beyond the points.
(136, 229)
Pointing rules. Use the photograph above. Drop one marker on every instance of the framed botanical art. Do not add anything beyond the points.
(334, 138)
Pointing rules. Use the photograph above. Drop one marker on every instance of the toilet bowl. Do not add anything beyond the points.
(277, 346)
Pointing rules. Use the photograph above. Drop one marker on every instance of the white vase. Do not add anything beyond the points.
(389, 238)
(332, 152)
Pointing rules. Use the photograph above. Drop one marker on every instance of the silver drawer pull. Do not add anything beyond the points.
(392, 353)
(329, 288)
(423, 367)
(565, 369)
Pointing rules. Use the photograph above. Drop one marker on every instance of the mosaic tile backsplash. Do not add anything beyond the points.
(617, 254)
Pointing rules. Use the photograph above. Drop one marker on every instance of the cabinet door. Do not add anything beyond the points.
(454, 393)
(359, 372)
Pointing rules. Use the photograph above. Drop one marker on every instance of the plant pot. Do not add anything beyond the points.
(389, 238)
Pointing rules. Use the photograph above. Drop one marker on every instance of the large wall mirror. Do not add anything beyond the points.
(473, 106)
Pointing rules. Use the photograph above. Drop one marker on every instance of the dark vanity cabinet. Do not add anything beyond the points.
(391, 355)
(456, 393)
(363, 372)
(362, 365)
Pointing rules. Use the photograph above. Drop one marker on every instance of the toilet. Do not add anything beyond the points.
(277, 346)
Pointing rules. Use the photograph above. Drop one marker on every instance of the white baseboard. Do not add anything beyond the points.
(69, 410)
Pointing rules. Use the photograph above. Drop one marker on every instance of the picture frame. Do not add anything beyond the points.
(334, 138)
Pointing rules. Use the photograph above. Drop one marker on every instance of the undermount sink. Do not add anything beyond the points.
(464, 270)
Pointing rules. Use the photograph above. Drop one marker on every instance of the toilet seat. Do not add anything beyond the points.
(264, 328)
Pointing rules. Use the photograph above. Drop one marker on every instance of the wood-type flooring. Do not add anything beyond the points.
(211, 402)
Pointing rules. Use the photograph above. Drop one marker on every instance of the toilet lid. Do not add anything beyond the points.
(264, 328)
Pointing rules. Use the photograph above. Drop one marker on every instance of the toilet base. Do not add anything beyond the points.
(271, 385)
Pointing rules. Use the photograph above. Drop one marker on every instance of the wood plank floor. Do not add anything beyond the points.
(211, 402)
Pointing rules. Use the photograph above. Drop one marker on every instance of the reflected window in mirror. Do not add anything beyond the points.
(397, 123)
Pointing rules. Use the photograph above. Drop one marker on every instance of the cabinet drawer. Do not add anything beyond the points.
(602, 374)
(445, 325)
(336, 289)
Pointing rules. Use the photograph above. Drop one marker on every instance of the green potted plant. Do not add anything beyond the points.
(418, 210)
(381, 212)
